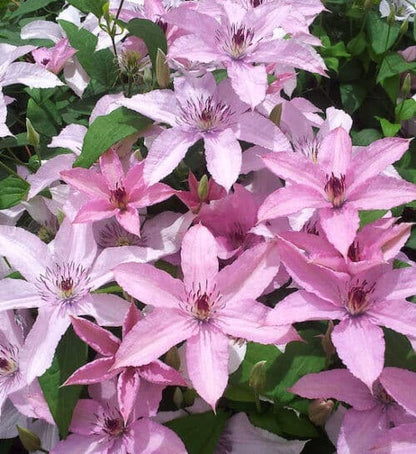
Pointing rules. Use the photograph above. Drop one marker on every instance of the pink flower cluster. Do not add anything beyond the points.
(294, 214)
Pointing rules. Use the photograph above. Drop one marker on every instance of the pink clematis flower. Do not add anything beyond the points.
(199, 109)
(145, 383)
(98, 427)
(389, 402)
(206, 308)
(54, 58)
(362, 302)
(113, 193)
(340, 184)
(59, 279)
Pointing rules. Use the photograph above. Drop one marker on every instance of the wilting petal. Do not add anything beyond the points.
(153, 336)
(223, 155)
(162, 159)
(337, 384)
(360, 345)
(207, 363)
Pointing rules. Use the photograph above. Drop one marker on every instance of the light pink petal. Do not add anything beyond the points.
(129, 219)
(247, 320)
(81, 444)
(42, 29)
(41, 342)
(199, 260)
(134, 177)
(207, 362)
(360, 430)
(153, 438)
(223, 155)
(150, 195)
(132, 317)
(88, 181)
(382, 192)
(400, 384)
(107, 309)
(289, 200)
(71, 137)
(101, 340)
(398, 315)
(335, 152)
(24, 251)
(75, 77)
(48, 173)
(397, 284)
(249, 275)
(248, 81)
(148, 399)
(31, 75)
(194, 48)
(161, 374)
(337, 384)
(94, 372)
(160, 105)
(162, 159)
(18, 294)
(95, 210)
(370, 161)
(153, 336)
(340, 225)
(127, 388)
(150, 285)
(111, 169)
(399, 440)
(360, 345)
(254, 128)
(296, 168)
(302, 306)
(320, 281)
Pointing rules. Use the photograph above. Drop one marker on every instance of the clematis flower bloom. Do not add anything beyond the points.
(389, 402)
(205, 308)
(362, 302)
(143, 383)
(340, 184)
(199, 109)
(113, 193)
(54, 58)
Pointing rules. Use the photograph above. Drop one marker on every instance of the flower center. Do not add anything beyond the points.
(308, 147)
(114, 235)
(236, 40)
(359, 298)
(113, 426)
(354, 252)
(8, 361)
(119, 197)
(381, 394)
(45, 61)
(63, 283)
(203, 302)
(206, 113)
(335, 189)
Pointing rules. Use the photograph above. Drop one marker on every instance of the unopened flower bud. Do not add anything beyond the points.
(320, 410)
(172, 358)
(147, 75)
(30, 440)
(203, 188)
(391, 18)
(404, 27)
(276, 114)
(162, 69)
(178, 397)
(368, 4)
(31, 134)
(406, 85)
(326, 341)
(257, 378)
(106, 10)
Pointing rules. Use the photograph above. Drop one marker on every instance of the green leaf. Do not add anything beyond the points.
(200, 432)
(299, 359)
(352, 96)
(151, 34)
(392, 65)
(381, 35)
(389, 129)
(106, 130)
(365, 137)
(369, 216)
(405, 110)
(70, 355)
(283, 421)
(358, 44)
(12, 191)
(399, 351)
(29, 6)
(89, 6)
(43, 117)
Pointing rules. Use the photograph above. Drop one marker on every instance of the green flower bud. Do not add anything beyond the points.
(30, 440)
(162, 69)
(320, 410)
(257, 378)
(276, 114)
(406, 85)
(203, 188)
(31, 134)
(172, 358)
